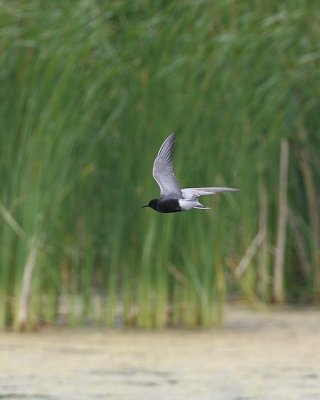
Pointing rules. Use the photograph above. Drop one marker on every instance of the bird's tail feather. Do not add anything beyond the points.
(202, 207)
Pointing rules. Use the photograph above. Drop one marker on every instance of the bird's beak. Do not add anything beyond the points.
(147, 205)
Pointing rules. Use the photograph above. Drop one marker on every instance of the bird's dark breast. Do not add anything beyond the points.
(168, 206)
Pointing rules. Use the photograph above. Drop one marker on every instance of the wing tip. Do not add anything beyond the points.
(172, 137)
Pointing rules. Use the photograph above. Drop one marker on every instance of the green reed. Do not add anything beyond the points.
(89, 92)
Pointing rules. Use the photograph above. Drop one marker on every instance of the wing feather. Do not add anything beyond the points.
(163, 170)
(194, 193)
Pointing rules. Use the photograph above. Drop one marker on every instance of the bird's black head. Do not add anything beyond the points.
(152, 203)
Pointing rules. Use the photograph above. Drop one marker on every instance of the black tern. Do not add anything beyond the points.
(172, 197)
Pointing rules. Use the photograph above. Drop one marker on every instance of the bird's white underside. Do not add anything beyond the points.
(189, 204)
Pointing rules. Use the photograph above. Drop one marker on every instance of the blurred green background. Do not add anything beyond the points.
(89, 91)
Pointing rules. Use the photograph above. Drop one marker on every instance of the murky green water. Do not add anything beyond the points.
(254, 356)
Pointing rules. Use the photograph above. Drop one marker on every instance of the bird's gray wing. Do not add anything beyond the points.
(194, 193)
(163, 170)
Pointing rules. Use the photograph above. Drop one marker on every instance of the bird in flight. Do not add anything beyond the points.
(172, 197)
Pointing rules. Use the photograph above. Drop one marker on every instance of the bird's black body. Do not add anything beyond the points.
(165, 205)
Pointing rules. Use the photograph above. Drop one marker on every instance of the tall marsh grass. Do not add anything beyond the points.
(89, 90)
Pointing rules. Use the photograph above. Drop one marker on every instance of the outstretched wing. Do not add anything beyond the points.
(194, 193)
(163, 170)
